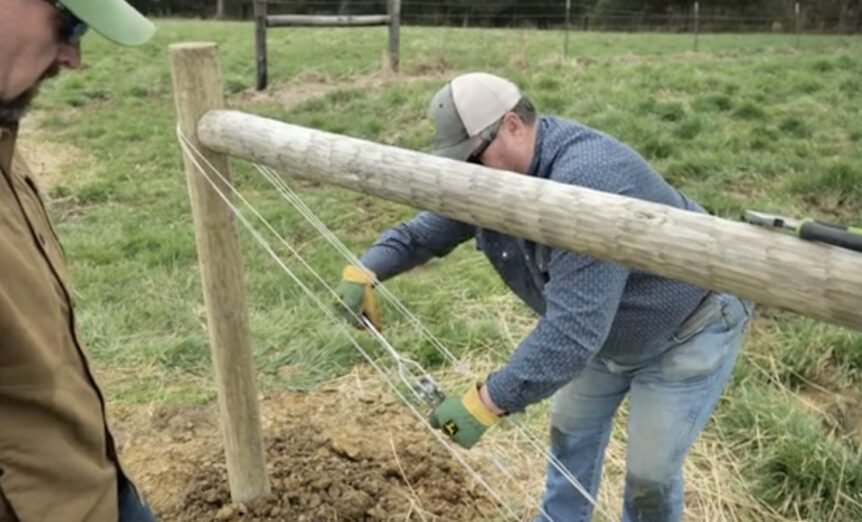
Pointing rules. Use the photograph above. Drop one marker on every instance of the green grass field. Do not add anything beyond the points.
(748, 122)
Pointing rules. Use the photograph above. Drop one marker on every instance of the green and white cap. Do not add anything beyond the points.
(116, 20)
(465, 107)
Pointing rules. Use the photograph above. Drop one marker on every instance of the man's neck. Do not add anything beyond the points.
(8, 135)
(532, 139)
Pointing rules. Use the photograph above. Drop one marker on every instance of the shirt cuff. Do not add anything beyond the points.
(380, 261)
(506, 391)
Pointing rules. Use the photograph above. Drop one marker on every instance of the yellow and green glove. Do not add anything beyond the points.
(356, 297)
(464, 419)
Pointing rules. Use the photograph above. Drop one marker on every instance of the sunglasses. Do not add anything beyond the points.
(72, 28)
(487, 140)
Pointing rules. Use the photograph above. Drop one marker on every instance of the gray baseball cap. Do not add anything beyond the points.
(116, 20)
(465, 107)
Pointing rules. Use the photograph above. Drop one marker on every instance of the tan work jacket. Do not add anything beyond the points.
(57, 458)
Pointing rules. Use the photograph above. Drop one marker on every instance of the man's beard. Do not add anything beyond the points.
(12, 111)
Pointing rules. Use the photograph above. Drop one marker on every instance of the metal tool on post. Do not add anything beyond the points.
(810, 229)
(410, 372)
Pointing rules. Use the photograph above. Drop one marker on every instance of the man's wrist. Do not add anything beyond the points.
(488, 402)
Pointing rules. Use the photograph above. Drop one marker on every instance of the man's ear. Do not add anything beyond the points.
(513, 123)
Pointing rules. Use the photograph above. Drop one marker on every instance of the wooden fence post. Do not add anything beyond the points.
(260, 14)
(198, 88)
(798, 25)
(394, 34)
(696, 23)
(568, 27)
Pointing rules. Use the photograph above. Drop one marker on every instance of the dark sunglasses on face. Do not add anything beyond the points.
(476, 156)
(72, 28)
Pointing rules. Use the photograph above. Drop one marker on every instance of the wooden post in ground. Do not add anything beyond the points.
(798, 24)
(394, 34)
(568, 28)
(198, 89)
(260, 14)
(696, 23)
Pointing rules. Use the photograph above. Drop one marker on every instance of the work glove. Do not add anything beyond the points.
(464, 419)
(356, 297)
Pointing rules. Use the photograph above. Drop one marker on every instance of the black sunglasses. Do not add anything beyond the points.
(72, 28)
(476, 155)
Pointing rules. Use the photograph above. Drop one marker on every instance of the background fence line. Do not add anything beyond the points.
(807, 16)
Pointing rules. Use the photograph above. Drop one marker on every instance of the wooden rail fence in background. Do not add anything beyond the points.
(263, 20)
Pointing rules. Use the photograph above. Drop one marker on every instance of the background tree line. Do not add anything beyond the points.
(627, 15)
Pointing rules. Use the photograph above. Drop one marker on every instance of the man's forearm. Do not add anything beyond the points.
(391, 255)
(413, 243)
(538, 368)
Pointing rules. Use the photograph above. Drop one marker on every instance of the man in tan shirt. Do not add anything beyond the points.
(58, 462)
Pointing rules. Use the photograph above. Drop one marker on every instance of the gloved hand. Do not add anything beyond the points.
(464, 419)
(356, 297)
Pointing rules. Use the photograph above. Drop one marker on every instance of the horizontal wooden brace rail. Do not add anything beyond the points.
(812, 279)
(325, 21)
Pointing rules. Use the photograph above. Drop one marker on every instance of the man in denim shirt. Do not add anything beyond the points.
(605, 330)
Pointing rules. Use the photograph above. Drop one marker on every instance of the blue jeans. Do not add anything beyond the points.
(671, 397)
(132, 507)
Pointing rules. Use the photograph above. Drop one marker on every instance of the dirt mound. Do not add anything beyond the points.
(333, 455)
(318, 476)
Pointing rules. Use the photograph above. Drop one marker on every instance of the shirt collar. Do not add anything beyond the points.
(8, 135)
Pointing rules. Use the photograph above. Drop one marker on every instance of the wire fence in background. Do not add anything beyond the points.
(587, 16)
(805, 16)
(573, 16)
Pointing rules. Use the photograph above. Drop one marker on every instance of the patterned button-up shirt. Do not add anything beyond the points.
(587, 306)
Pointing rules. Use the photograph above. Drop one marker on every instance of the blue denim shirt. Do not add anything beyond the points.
(586, 306)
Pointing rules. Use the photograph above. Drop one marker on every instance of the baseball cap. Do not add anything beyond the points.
(116, 20)
(465, 107)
